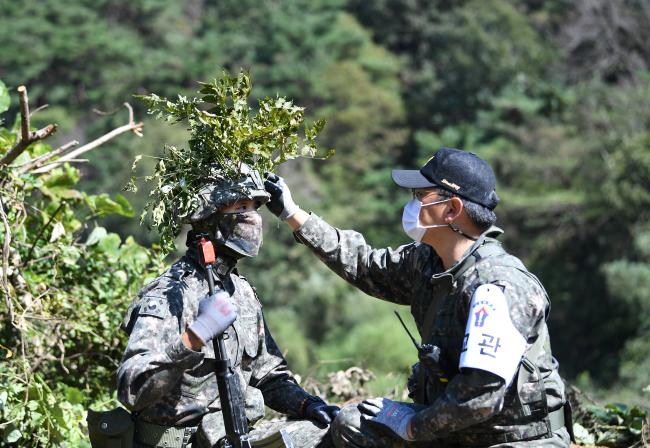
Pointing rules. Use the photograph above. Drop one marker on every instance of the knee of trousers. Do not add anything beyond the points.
(348, 419)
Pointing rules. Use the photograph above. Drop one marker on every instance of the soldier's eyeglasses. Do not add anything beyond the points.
(421, 194)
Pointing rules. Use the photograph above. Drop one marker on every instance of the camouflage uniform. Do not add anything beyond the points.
(163, 382)
(464, 408)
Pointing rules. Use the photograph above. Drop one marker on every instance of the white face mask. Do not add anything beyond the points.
(411, 219)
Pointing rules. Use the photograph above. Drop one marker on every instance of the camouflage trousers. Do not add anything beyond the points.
(303, 434)
(349, 431)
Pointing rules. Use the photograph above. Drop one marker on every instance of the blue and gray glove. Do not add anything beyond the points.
(389, 414)
(321, 412)
(281, 203)
(216, 314)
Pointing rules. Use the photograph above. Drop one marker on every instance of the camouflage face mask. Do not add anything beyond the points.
(241, 232)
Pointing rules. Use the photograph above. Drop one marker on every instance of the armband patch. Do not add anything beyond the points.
(491, 342)
(153, 306)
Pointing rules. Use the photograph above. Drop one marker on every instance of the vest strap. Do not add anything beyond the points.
(489, 247)
(557, 419)
(553, 421)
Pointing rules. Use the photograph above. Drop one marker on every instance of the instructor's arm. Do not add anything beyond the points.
(384, 273)
(297, 219)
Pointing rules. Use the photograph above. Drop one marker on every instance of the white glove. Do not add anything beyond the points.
(216, 314)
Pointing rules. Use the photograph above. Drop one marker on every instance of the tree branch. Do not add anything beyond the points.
(40, 233)
(5, 261)
(26, 137)
(40, 161)
(38, 109)
(24, 112)
(136, 128)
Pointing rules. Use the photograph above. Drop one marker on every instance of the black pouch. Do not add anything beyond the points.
(110, 429)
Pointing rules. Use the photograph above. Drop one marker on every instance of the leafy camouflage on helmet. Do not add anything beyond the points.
(222, 191)
(224, 130)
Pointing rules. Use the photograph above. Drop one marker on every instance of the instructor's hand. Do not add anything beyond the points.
(281, 203)
(391, 415)
(216, 314)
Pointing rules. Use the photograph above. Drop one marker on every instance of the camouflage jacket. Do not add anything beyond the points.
(163, 382)
(473, 403)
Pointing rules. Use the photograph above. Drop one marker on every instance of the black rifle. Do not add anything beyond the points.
(230, 393)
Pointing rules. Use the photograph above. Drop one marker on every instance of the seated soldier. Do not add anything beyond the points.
(166, 377)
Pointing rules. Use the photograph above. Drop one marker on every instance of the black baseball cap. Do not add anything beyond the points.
(459, 172)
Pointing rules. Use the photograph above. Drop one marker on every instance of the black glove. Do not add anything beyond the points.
(321, 412)
(281, 203)
(413, 382)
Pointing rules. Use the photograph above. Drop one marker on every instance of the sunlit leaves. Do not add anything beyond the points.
(4, 98)
(104, 205)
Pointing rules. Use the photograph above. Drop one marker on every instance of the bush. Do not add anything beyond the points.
(65, 286)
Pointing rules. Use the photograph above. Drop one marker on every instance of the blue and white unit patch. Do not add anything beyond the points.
(491, 342)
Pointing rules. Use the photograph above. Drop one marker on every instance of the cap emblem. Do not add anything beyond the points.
(451, 184)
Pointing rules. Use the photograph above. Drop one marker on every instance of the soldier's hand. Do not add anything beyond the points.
(321, 412)
(281, 203)
(216, 314)
(391, 415)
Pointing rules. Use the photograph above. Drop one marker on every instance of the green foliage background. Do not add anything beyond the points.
(65, 285)
(560, 111)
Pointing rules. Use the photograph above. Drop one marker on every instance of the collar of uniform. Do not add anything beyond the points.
(492, 232)
(223, 266)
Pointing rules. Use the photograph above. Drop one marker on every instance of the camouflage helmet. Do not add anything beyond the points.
(221, 191)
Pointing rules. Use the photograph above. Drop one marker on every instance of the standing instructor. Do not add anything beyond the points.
(489, 378)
